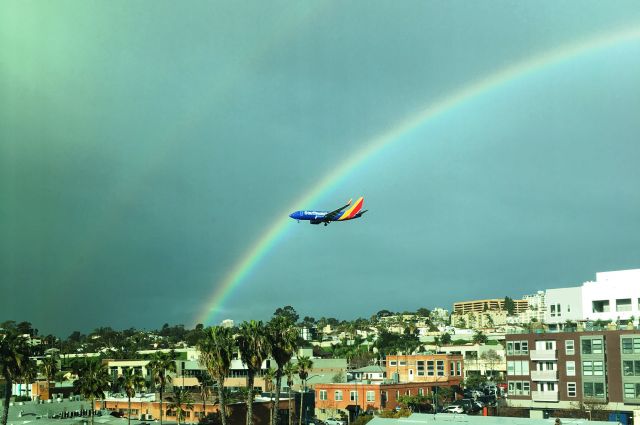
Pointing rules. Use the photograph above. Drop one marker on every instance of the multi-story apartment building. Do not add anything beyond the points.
(480, 306)
(566, 369)
(612, 296)
(435, 368)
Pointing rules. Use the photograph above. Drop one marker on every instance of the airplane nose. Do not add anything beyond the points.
(293, 215)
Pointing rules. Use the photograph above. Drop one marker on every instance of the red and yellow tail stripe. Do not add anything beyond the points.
(351, 212)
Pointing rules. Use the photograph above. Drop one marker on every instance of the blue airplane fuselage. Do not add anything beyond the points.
(308, 215)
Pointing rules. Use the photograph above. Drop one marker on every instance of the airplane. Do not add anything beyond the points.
(326, 217)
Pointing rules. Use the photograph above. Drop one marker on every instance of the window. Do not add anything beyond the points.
(552, 309)
(587, 368)
(631, 390)
(571, 389)
(371, 396)
(392, 363)
(631, 367)
(452, 368)
(571, 368)
(569, 347)
(420, 391)
(440, 367)
(338, 395)
(430, 370)
(420, 367)
(591, 346)
(518, 367)
(323, 394)
(519, 387)
(550, 345)
(517, 348)
(598, 368)
(623, 304)
(459, 368)
(397, 394)
(593, 389)
(403, 363)
(551, 386)
(353, 396)
(600, 306)
(630, 345)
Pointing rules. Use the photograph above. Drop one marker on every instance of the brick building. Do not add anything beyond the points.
(436, 368)
(568, 369)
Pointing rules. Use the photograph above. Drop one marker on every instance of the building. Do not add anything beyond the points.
(355, 397)
(613, 296)
(372, 373)
(480, 306)
(435, 368)
(480, 359)
(571, 370)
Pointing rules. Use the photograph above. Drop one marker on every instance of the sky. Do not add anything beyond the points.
(148, 149)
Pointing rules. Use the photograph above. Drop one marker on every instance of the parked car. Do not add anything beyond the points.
(453, 409)
(334, 421)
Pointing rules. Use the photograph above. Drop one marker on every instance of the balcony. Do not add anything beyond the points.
(543, 354)
(544, 375)
(544, 395)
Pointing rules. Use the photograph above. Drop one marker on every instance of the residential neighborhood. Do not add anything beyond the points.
(563, 352)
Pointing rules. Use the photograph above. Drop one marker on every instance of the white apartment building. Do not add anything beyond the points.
(612, 296)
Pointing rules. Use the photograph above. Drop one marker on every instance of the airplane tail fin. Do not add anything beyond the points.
(355, 209)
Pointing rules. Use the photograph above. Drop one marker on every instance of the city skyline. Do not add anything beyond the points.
(153, 153)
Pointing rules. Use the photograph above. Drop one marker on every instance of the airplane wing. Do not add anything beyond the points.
(330, 216)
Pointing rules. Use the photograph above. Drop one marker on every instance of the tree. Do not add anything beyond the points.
(269, 376)
(283, 340)
(93, 380)
(445, 339)
(179, 399)
(479, 338)
(509, 306)
(304, 365)
(423, 312)
(205, 383)
(254, 348)
(289, 371)
(130, 382)
(216, 350)
(287, 312)
(161, 365)
(49, 368)
(491, 359)
(14, 353)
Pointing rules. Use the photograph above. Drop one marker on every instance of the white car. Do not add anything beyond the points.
(453, 409)
(334, 421)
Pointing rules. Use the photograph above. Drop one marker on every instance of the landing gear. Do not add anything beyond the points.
(326, 224)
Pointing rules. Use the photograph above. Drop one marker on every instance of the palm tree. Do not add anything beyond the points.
(304, 365)
(130, 382)
(205, 383)
(268, 376)
(161, 365)
(14, 352)
(216, 350)
(254, 349)
(283, 338)
(179, 399)
(93, 380)
(28, 373)
(290, 369)
(49, 369)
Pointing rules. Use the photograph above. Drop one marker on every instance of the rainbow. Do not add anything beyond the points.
(270, 238)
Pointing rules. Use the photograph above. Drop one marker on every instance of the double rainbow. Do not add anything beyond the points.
(242, 269)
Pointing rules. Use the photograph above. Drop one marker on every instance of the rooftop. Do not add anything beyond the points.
(421, 418)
